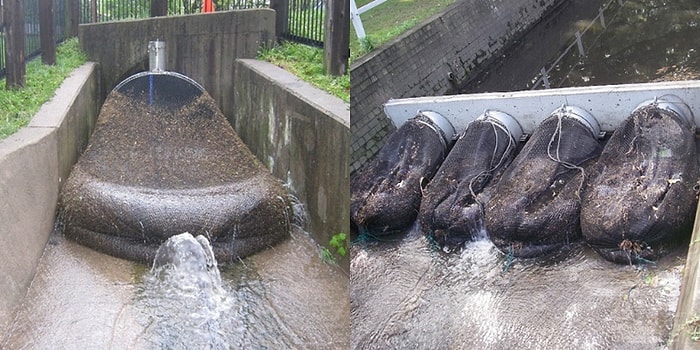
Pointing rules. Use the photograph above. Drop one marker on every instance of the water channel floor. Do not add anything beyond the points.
(284, 297)
(405, 294)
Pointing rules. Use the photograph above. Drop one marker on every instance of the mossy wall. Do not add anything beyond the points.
(303, 135)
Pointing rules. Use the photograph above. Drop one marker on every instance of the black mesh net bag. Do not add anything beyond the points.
(535, 206)
(642, 192)
(385, 195)
(452, 207)
(164, 160)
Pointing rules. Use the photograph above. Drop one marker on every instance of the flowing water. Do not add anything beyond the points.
(285, 297)
(405, 293)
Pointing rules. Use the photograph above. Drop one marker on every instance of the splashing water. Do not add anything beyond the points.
(281, 298)
(190, 307)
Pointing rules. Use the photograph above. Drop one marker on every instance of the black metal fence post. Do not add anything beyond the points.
(159, 8)
(46, 32)
(14, 44)
(281, 8)
(336, 50)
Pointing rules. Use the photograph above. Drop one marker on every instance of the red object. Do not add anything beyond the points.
(208, 6)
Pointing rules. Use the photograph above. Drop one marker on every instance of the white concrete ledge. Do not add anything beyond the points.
(609, 104)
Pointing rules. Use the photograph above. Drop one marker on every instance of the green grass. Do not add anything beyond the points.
(391, 19)
(307, 63)
(17, 107)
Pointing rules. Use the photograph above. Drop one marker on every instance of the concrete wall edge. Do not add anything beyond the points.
(330, 105)
(29, 177)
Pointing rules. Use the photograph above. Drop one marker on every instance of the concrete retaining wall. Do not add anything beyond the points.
(431, 60)
(33, 163)
(202, 46)
(303, 136)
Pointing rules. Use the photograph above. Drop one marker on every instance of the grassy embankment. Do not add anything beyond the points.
(17, 107)
(381, 24)
(389, 20)
(307, 63)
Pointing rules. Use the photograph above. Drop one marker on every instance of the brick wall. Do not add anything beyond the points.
(433, 59)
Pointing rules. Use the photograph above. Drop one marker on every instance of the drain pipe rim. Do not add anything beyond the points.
(673, 104)
(145, 73)
(582, 116)
(448, 131)
(515, 130)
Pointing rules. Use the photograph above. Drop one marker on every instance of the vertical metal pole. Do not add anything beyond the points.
(336, 38)
(156, 56)
(579, 43)
(545, 78)
(13, 20)
(94, 11)
(281, 8)
(47, 40)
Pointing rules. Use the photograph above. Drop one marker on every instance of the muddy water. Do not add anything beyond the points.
(647, 40)
(406, 294)
(285, 297)
(642, 41)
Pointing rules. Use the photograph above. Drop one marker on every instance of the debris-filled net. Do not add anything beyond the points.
(642, 191)
(386, 194)
(534, 208)
(164, 160)
(452, 207)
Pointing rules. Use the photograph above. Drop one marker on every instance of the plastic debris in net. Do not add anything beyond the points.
(641, 195)
(385, 195)
(452, 208)
(535, 207)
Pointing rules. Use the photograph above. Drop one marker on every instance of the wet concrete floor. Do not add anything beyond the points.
(284, 297)
(407, 294)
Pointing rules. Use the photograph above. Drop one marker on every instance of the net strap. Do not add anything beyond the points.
(556, 137)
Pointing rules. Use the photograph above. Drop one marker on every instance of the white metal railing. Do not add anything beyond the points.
(355, 16)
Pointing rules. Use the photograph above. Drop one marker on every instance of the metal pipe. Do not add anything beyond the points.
(156, 56)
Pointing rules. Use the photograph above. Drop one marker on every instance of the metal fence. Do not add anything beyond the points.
(32, 44)
(92, 11)
(304, 23)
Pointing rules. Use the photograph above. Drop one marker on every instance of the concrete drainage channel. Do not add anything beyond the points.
(471, 278)
(51, 286)
(449, 286)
